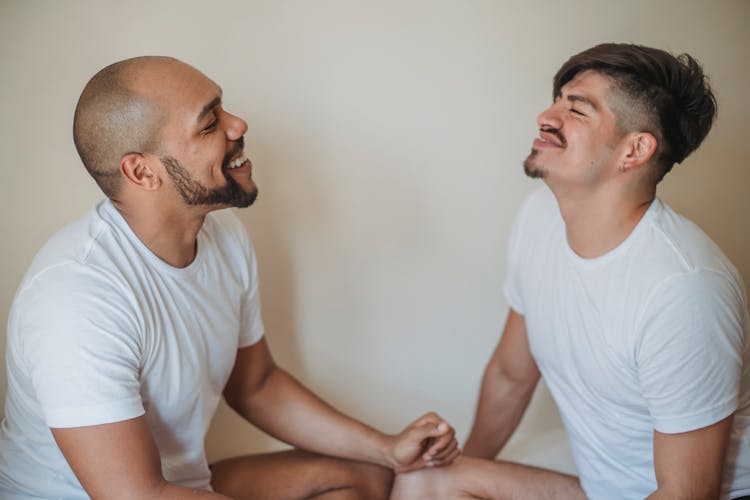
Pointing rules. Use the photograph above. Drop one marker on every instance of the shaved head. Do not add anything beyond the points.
(114, 118)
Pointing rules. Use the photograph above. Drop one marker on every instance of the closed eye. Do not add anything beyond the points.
(211, 126)
(573, 110)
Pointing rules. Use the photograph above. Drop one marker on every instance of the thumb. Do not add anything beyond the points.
(428, 430)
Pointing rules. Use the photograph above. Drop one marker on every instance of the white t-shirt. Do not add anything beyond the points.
(651, 335)
(101, 330)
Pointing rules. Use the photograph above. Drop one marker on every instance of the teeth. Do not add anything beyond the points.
(239, 161)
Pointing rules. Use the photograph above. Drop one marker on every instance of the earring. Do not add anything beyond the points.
(622, 168)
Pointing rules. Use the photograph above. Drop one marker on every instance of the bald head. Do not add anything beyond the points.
(115, 116)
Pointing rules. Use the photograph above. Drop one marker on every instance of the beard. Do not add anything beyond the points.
(531, 165)
(533, 169)
(195, 193)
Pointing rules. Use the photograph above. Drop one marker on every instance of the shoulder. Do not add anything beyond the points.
(73, 293)
(73, 282)
(71, 243)
(78, 264)
(686, 258)
(82, 256)
(703, 307)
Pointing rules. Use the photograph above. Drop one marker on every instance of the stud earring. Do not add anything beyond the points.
(622, 168)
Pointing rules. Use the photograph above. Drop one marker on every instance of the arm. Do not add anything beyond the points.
(689, 465)
(120, 461)
(508, 383)
(277, 403)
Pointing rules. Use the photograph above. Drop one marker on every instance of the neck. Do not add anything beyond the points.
(171, 235)
(599, 221)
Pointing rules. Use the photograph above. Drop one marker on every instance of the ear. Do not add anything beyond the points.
(135, 168)
(640, 150)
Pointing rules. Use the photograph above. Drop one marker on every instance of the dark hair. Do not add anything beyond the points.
(668, 96)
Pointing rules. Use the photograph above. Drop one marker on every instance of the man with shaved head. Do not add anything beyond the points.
(134, 321)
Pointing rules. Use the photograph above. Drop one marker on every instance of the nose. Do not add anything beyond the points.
(236, 126)
(550, 117)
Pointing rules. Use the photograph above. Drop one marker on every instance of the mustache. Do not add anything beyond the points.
(239, 145)
(556, 132)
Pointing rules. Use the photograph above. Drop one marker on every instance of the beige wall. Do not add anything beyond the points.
(387, 139)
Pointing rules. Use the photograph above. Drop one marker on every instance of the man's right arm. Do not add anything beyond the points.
(120, 461)
(508, 384)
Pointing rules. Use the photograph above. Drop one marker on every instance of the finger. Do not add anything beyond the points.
(440, 441)
(439, 450)
(426, 431)
(441, 428)
(416, 465)
(447, 460)
(429, 417)
(446, 451)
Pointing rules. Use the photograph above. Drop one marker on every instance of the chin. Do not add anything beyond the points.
(534, 170)
(247, 200)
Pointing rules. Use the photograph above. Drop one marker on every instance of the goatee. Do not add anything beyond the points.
(533, 169)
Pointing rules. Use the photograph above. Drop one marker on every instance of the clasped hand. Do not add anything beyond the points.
(429, 441)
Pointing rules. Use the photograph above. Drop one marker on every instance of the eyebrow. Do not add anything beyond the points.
(583, 100)
(208, 107)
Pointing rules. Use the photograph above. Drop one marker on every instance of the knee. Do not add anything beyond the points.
(372, 481)
(420, 484)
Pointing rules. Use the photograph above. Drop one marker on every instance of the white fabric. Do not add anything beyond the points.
(651, 335)
(101, 330)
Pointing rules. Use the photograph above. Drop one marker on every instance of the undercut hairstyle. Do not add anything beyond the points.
(112, 120)
(653, 91)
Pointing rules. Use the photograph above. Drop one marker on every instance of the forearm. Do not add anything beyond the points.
(502, 403)
(287, 410)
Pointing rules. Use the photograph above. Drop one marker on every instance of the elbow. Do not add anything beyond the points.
(498, 380)
(242, 395)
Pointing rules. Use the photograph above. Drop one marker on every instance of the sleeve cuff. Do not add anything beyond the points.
(96, 414)
(695, 421)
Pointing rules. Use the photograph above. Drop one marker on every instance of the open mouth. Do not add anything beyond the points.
(237, 162)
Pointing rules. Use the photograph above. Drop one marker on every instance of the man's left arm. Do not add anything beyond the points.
(689, 369)
(689, 465)
(277, 403)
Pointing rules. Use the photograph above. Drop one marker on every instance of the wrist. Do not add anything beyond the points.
(385, 446)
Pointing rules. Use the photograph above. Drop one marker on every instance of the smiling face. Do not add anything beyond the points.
(578, 137)
(201, 144)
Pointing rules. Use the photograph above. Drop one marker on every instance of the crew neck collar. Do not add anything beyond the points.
(653, 208)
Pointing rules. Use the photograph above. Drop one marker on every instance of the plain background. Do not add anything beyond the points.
(387, 139)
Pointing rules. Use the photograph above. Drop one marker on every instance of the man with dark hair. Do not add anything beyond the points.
(131, 324)
(634, 317)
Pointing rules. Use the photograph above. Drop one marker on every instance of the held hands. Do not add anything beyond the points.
(427, 442)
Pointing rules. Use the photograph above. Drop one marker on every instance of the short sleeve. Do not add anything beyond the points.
(80, 347)
(689, 356)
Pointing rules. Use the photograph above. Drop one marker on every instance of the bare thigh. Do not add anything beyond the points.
(296, 474)
(472, 478)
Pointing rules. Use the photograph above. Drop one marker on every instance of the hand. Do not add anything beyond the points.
(427, 442)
